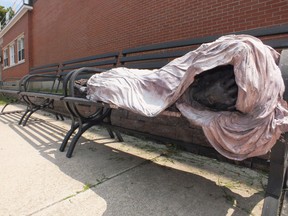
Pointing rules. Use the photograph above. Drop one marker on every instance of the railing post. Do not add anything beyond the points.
(7, 16)
(27, 2)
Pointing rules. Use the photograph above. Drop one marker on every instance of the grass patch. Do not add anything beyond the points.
(4, 100)
(86, 186)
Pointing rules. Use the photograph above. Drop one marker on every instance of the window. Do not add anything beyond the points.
(12, 54)
(5, 55)
(20, 49)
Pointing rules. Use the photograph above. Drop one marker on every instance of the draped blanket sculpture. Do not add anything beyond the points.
(249, 129)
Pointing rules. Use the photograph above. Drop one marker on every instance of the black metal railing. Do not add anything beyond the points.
(13, 10)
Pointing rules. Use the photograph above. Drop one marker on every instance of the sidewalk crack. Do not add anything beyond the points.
(99, 182)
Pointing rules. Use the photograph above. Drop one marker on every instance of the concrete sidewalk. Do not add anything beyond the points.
(105, 177)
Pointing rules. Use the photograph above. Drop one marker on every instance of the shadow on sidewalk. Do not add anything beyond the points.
(130, 184)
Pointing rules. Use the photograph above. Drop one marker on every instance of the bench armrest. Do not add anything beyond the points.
(15, 82)
(29, 79)
(71, 77)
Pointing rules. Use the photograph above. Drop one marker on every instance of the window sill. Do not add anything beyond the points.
(11, 66)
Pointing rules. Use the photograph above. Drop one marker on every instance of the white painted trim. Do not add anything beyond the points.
(15, 39)
(12, 54)
(16, 64)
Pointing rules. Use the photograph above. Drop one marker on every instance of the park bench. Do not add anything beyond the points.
(153, 57)
(42, 80)
(10, 89)
(103, 62)
(43, 87)
(14, 87)
(46, 86)
(156, 56)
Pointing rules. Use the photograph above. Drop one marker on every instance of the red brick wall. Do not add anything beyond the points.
(65, 29)
(17, 71)
(68, 29)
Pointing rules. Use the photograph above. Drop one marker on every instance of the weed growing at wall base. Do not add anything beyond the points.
(4, 100)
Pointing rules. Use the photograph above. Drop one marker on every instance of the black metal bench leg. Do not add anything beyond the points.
(67, 136)
(76, 138)
(276, 180)
(59, 116)
(23, 116)
(110, 132)
(4, 107)
(119, 136)
(29, 115)
(284, 210)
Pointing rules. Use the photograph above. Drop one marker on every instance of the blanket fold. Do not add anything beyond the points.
(261, 113)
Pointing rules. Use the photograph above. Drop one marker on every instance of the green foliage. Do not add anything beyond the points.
(11, 11)
(4, 100)
(4, 10)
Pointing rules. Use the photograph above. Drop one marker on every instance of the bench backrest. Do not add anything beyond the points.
(57, 71)
(51, 69)
(106, 61)
(11, 83)
(44, 78)
(157, 55)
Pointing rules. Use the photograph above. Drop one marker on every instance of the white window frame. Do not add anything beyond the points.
(12, 54)
(20, 49)
(5, 58)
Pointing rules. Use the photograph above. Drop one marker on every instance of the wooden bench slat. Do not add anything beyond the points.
(90, 64)
(169, 45)
(55, 70)
(154, 56)
(266, 31)
(277, 43)
(45, 66)
(147, 65)
(89, 58)
(43, 95)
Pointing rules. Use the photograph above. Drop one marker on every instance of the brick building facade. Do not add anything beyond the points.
(56, 31)
(61, 30)
(17, 38)
(68, 29)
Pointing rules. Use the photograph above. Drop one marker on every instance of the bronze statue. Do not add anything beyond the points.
(215, 89)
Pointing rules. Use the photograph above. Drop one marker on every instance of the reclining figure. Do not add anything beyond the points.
(231, 87)
(215, 89)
